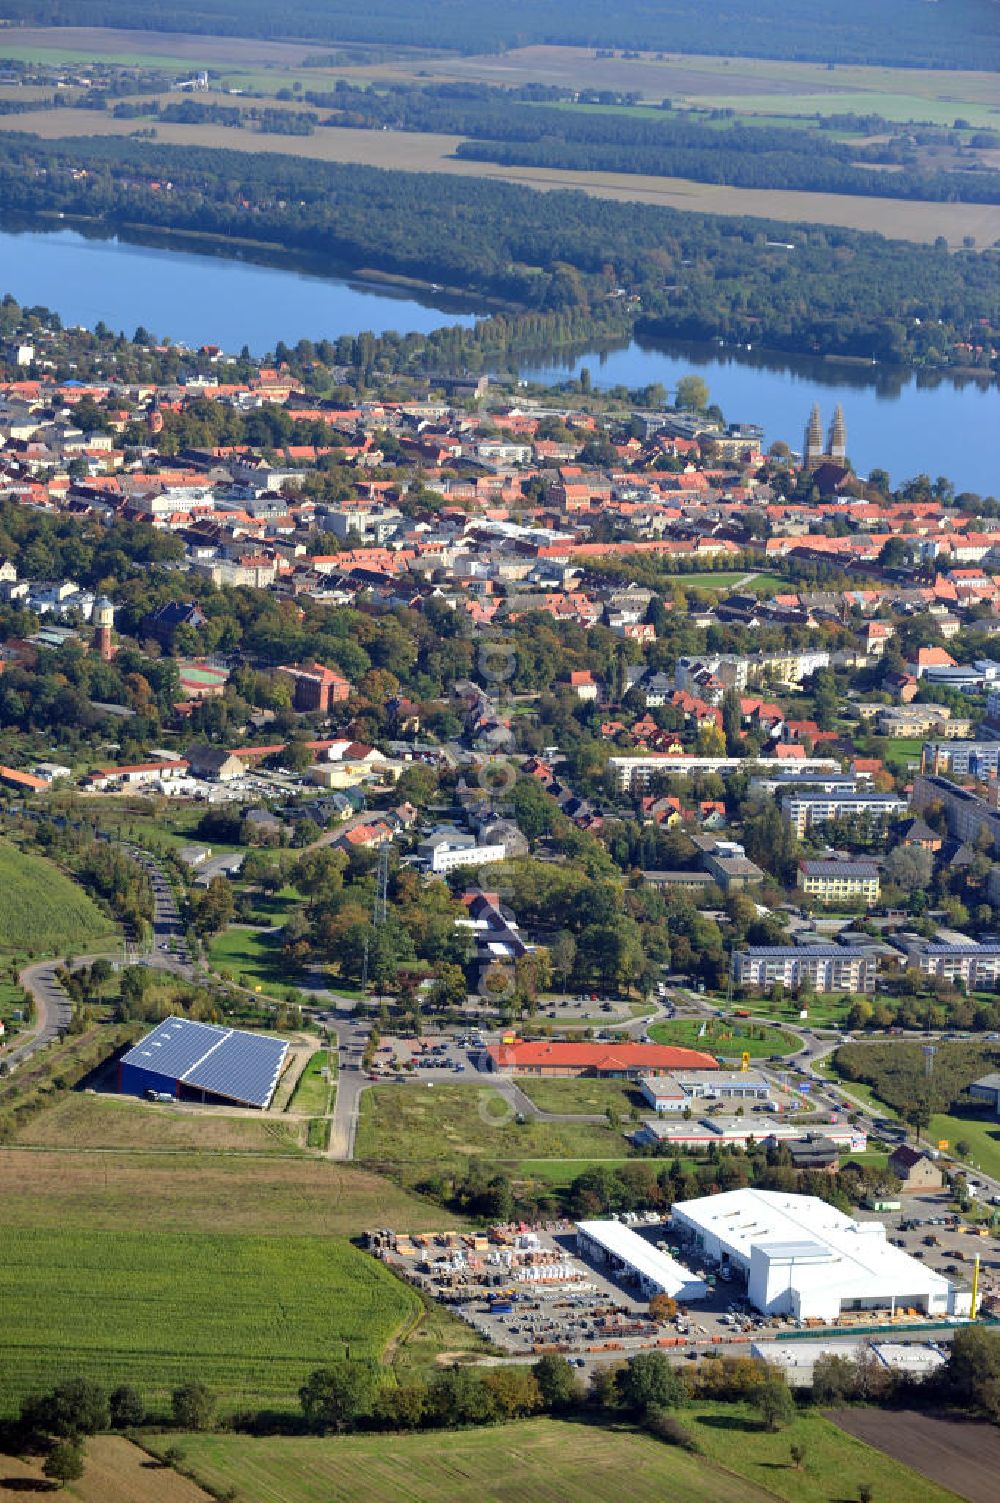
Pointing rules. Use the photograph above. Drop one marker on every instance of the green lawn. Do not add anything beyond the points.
(314, 1093)
(535, 1461)
(899, 750)
(726, 1037)
(253, 958)
(710, 580)
(44, 912)
(417, 1124)
(824, 1009)
(152, 1305)
(982, 1136)
(834, 1467)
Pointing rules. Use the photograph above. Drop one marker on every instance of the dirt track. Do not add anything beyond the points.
(963, 1455)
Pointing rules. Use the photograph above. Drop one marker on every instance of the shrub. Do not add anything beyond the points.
(668, 1428)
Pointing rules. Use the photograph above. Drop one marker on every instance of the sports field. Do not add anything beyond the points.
(43, 912)
(420, 152)
(153, 1305)
(538, 1461)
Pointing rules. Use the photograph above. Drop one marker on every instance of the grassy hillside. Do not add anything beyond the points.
(42, 911)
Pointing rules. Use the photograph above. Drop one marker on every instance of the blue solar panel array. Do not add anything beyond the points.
(174, 1046)
(242, 1067)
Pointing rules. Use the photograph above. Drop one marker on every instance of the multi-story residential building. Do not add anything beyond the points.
(967, 814)
(971, 964)
(826, 968)
(975, 759)
(632, 773)
(839, 881)
(918, 720)
(804, 810)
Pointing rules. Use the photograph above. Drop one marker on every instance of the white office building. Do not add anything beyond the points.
(803, 1258)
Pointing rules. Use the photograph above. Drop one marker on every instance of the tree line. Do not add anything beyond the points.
(960, 35)
(696, 276)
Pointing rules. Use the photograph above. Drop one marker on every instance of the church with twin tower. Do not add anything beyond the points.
(835, 452)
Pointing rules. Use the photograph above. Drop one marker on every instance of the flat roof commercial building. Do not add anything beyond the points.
(201, 1062)
(624, 1252)
(675, 1091)
(804, 1258)
(624, 1061)
(738, 1132)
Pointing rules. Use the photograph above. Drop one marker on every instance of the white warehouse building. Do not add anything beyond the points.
(804, 1258)
(622, 1251)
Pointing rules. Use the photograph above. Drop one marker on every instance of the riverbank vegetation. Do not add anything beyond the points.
(690, 276)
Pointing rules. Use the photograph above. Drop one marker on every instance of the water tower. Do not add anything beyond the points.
(104, 621)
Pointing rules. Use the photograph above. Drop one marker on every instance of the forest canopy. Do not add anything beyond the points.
(903, 33)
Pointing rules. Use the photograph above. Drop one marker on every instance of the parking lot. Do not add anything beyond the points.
(926, 1228)
(437, 1056)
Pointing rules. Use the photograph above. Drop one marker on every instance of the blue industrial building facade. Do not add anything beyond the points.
(201, 1062)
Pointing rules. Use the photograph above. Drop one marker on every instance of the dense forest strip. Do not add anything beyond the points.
(523, 129)
(787, 170)
(960, 34)
(688, 275)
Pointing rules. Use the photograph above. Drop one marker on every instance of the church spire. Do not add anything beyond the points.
(812, 451)
(837, 442)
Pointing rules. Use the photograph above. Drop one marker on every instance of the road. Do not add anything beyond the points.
(53, 1010)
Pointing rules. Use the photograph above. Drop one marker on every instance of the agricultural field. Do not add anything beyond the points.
(116, 1472)
(89, 1121)
(537, 1461)
(945, 1450)
(449, 1123)
(263, 1195)
(43, 912)
(239, 1312)
(700, 79)
(835, 1464)
(725, 1037)
(426, 152)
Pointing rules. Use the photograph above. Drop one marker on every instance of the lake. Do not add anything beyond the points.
(903, 422)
